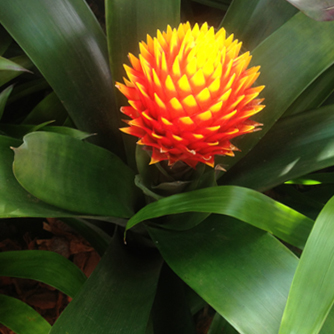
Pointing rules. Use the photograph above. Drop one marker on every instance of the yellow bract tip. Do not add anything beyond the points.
(198, 80)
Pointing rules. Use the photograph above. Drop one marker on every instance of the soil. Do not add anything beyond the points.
(53, 235)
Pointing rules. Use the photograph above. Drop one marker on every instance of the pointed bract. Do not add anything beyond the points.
(190, 93)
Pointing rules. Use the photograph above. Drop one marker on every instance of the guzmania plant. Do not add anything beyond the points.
(191, 208)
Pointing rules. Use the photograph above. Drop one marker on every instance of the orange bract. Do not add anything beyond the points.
(190, 93)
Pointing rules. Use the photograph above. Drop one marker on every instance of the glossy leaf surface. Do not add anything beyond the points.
(312, 294)
(21, 318)
(295, 146)
(68, 37)
(74, 175)
(241, 203)
(242, 272)
(118, 296)
(287, 48)
(15, 201)
(313, 179)
(251, 21)
(44, 266)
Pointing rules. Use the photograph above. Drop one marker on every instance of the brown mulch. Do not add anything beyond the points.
(46, 300)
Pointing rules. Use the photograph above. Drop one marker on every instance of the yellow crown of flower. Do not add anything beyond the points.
(190, 93)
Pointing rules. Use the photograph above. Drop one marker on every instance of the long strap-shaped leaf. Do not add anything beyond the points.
(8, 65)
(9, 74)
(3, 98)
(312, 292)
(74, 175)
(315, 94)
(47, 267)
(70, 49)
(118, 296)
(287, 48)
(295, 146)
(242, 272)
(241, 203)
(251, 21)
(21, 318)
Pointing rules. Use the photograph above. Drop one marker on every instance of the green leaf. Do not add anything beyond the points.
(321, 193)
(287, 48)
(329, 100)
(252, 21)
(314, 95)
(295, 146)
(320, 10)
(312, 294)
(74, 175)
(8, 65)
(26, 89)
(67, 36)
(118, 296)
(220, 4)
(127, 25)
(54, 269)
(313, 179)
(217, 325)
(241, 203)
(220, 326)
(3, 99)
(15, 201)
(5, 39)
(50, 108)
(242, 272)
(195, 302)
(17, 66)
(171, 312)
(19, 131)
(71, 132)
(328, 326)
(298, 200)
(21, 318)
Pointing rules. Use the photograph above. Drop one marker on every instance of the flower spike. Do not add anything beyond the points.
(190, 94)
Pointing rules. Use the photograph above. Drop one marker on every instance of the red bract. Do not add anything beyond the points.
(190, 93)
